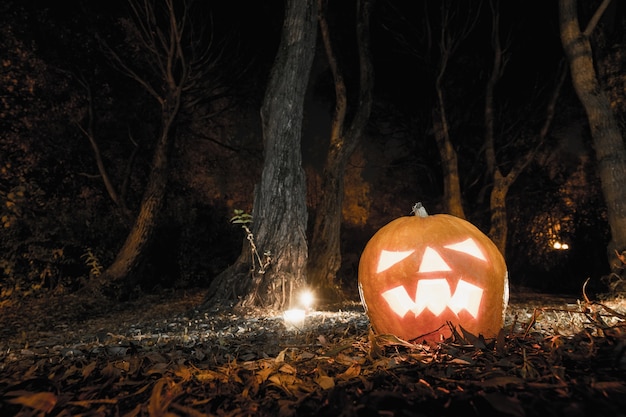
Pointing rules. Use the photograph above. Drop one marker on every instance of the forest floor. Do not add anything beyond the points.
(159, 355)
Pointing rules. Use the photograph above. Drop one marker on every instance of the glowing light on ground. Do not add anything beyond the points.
(294, 318)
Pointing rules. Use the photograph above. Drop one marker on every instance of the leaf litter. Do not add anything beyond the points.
(160, 356)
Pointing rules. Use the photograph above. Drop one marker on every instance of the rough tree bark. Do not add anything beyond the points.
(279, 211)
(608, 141)
(325, 253)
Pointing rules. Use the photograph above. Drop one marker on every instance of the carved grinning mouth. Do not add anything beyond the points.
(433, 294)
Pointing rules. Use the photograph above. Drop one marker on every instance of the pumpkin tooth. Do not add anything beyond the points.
(467, 296)
(435, 295)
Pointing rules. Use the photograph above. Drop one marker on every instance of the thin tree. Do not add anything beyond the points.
(325, 252)
(279, 213)
(448, 43)
(502, 181)
(608, 141)
(174, 61)
(116, 196)
(441, 40)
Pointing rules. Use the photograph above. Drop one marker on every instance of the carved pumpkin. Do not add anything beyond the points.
(420, 272)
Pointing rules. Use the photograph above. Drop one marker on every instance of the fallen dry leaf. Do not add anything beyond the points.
(232, 364)
(40, 401)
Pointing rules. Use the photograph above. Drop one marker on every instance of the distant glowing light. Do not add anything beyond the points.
(560, 246)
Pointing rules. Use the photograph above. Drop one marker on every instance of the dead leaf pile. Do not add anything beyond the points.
(226, 364)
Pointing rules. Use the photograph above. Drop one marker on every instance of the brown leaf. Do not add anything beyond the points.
(392, 340)
(344, 359)
(264, 374)
(287, 369)
(88, 369)
(281, 356)
(375, 350)
(183, 372)
(40, 401)
(324, 381)
(352, 372)
(164, 392)
(207, 375)
(111, 371)
(616, 387)
(461, 361)
(476, 341)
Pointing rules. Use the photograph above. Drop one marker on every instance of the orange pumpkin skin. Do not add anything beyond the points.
(413, 249)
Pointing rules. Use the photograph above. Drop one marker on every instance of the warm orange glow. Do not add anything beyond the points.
(420, 275)
(560, 246)
(435, 295)
(431, 260)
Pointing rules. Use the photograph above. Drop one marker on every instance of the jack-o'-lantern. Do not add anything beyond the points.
(419, 274)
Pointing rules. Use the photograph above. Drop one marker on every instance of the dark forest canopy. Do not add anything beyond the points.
(63, 78)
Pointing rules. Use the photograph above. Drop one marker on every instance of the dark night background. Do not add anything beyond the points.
(59, 225)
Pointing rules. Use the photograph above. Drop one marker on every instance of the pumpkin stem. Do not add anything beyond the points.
(419, 210)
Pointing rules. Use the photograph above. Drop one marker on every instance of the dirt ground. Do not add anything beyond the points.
(161, 355)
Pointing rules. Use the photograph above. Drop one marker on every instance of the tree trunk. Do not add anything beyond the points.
(141, 233)
(279, 213)
(607, 139)
(452, 198)
(142, 230)
(325, 254)
(177, 61)
(448, 43)
(498, 230)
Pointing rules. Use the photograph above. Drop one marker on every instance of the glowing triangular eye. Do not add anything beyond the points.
(390, 258)
(468, 247)
(432, 261)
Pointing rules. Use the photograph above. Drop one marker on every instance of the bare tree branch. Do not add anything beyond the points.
(90, 134)
(596, 18)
